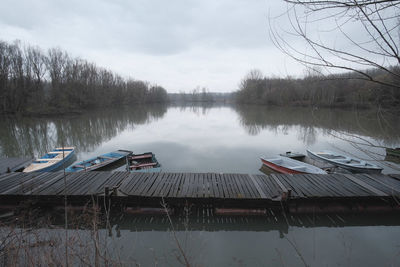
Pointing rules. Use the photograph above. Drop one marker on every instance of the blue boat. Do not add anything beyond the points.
(52, 161)
(97, 163)
(145, 162)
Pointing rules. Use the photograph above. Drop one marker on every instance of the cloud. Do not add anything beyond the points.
(177, 44)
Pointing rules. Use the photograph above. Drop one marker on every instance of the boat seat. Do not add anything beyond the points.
(143, 165)
(53, 159)
(105, 157)
(142, 156)
(79, 166)
(343, 160)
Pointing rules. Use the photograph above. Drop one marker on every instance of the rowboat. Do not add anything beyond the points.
(145, 162)
(290, 166)
(345, 162)
(99, 162)
(393, 152)
(51, 161)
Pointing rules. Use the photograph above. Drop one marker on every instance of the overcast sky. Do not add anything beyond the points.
(177, 44)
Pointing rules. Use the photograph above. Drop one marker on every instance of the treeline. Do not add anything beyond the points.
(33, 81)
(200, 95)
(340, 90)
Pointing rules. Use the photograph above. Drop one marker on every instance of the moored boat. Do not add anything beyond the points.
(349, 163)
(99, 162)
(290, 166)
(145, 162)
(52, 160)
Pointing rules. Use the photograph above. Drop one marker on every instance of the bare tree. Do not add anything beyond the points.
(346, 35)
(35, 82)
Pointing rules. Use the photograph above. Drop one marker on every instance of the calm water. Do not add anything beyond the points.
(224, 241)
(206, 139)
(226, 139)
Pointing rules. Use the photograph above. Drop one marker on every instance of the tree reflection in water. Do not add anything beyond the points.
(383, 128)
(21, 136)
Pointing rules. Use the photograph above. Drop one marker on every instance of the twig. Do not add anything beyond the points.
(164, 205)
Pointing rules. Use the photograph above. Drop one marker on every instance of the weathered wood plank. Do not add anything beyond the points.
(347, 187)
(13, 164)
(257, 186)
(168, 182)
(326, 187)
(190, 182)
(334, 185)
(269, 186)
(365, 185)
(201, 186)
(382, 182)
(289, 182)
(236, 190)
(217, 189)
(276, 179)
(158, 184)
(178, 186)
(185, 185)
(149, 183)
(226, 185)
(241, 182)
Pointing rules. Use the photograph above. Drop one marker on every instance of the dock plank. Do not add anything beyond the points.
(381, 182)
(227, 188)
(269, 186)
(226, 185)
(258, 187)
(242, 181)
(159, 183)
(13, 164)
(347, 187)
(178, 186)
(331, 183)
(326, 188)
(217, 189)
(365, 185)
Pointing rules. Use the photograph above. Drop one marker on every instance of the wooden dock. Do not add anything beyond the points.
(227, 193)
(13, 164)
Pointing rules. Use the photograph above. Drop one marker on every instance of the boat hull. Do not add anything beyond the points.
(280, 169)
(353, 169)
(290, 166)
(53, 167)
(86, 165)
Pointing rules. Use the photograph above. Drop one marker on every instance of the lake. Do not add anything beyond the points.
(207, 138)
(220, 139)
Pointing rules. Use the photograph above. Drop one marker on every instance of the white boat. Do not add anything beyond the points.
(290, 166)
(52, 160)
(346, 162)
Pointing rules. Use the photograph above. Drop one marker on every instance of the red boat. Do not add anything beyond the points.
(290, 166)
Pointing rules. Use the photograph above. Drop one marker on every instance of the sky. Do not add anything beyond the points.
(179, 45)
